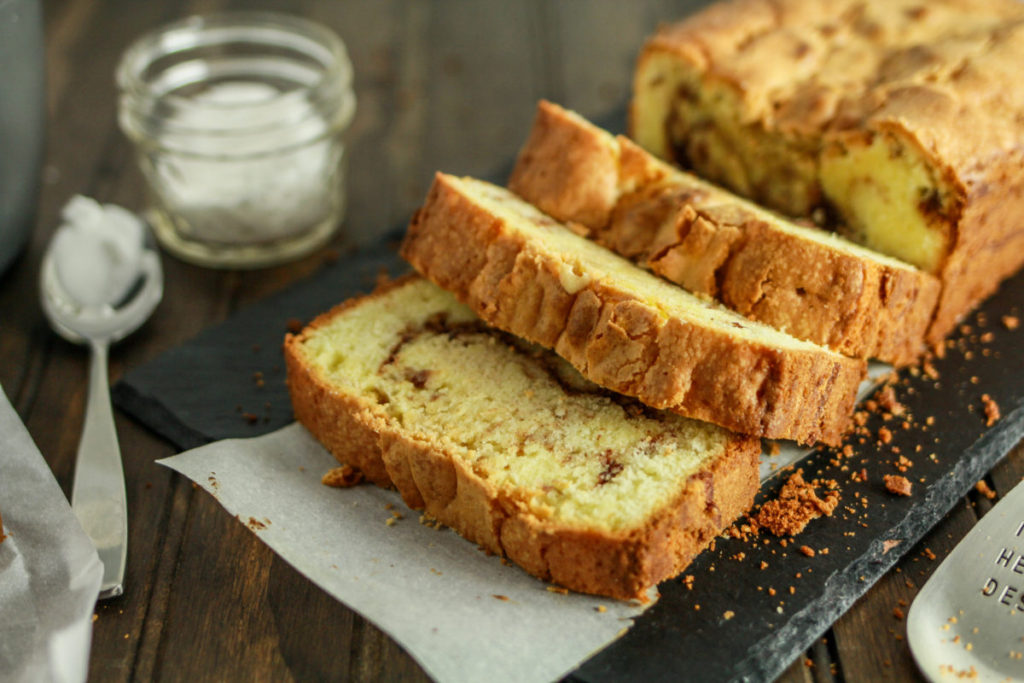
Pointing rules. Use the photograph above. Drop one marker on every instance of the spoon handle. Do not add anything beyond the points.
(98, 496)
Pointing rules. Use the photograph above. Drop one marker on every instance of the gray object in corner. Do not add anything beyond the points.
(22, 121)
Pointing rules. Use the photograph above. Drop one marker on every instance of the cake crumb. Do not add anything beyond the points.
(885, 435)
(688, 581)
(503, 598)
(889, 544)
(773, 448)
(796, 505)
(991, 410)
(983, 488)
(1011, 322)
(601, 608)
(886, 398)
(807, 550)
(558, 589)
(898, 485)
(898, 613)
(729, 614)
(342, 477)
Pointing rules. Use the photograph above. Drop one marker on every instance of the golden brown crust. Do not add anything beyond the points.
(987, 246)
(810, 77)
(622, 342)
(709, 242)
(621, 565)
(567, 171)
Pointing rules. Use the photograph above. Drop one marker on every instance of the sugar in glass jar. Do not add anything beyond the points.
(238, 123)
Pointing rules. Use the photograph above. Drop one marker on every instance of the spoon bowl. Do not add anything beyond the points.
(81, 324)
(98, 496)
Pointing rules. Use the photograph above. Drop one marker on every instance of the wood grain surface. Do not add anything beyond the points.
(445, 85)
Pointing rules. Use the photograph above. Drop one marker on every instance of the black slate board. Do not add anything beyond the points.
(198, 392)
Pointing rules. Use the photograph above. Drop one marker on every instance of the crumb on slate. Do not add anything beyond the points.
(796, 505)
(991, 410)
(886, 398)
(898, 485)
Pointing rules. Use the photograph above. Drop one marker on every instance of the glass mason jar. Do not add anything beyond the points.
(238, 122)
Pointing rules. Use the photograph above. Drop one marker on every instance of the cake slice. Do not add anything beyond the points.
(507, 444)
(807, 282)
(902, 118)
(621, 326)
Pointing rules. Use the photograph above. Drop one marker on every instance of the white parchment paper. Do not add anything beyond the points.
(463, 615)
(49, 571)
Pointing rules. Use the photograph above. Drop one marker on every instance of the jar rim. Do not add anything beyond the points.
(152, 107)
(184, 34)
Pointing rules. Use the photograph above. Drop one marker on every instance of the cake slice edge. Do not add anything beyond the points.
(623, 565)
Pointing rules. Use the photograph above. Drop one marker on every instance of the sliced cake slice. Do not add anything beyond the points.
(506, 443)
(903, 118)
(805, 281)
(621, 326)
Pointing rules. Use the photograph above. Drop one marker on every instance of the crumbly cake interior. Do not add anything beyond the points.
(803, 106)
(523, 419)
(583, 261)
(890, 199)
(699, 124)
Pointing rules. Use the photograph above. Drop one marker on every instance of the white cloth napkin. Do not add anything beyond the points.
(463, 615)
(49, 571)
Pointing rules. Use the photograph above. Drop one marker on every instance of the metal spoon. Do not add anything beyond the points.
(98, 496)
(966, 621)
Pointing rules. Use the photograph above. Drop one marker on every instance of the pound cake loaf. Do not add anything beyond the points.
(804, 281)
(507, 444)
(622, 327)
(904, 119)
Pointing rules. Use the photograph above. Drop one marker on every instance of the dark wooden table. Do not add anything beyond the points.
(441, 85)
